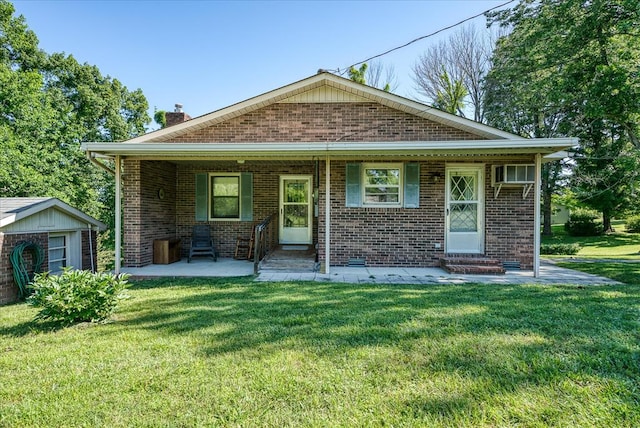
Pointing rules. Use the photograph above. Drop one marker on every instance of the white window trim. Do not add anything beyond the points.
(65, 247)
(363, 184)
(210, 190)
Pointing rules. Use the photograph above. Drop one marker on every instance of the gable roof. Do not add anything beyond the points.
(16, 209)
(325, 87)
(340, 86)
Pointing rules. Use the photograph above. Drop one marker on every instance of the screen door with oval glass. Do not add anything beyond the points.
(295, 209)
(465, 209)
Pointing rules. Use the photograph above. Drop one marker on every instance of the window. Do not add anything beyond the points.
(58, 253)
(225, 196)
(382, 184)
(395, 185)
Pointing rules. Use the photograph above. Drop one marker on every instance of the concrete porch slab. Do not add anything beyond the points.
(199, 267)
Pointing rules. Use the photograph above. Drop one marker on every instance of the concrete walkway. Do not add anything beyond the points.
(549, 274)
(201, 267)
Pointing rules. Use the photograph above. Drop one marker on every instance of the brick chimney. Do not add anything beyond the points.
(176, 116)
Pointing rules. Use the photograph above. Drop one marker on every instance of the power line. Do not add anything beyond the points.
(422, 38)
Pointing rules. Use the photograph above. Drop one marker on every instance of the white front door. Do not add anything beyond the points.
(465, 209)
(295, 209)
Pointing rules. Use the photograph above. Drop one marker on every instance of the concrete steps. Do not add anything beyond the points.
(295, 259)
(472, 265)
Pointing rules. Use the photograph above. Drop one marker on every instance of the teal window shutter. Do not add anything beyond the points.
(412, 185)
(201, 197)
(353, 193)
(246, 196)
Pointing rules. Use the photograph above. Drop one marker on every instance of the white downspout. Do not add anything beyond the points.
(536, 231)
(327, 216)
(118, 215)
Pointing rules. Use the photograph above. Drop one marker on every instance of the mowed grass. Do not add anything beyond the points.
(613, 255)
(237, 353)
(625, 272)
(619, 244)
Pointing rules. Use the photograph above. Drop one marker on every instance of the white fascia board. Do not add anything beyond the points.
(181, 150)
(7, 220)
(52, 203)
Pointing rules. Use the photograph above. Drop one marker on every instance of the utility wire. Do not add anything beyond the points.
(422, 38)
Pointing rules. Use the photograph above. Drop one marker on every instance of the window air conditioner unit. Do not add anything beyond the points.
(513, 175)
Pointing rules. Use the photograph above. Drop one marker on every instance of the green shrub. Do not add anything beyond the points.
(565, 249)
(76, 296)
(633, 224)
(584, 223)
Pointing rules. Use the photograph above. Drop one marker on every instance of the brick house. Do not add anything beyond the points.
(407, 184)
(66, 235)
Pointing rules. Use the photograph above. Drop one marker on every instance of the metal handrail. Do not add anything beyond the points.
(265, 239)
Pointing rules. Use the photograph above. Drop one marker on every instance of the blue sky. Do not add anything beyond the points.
(211, 54)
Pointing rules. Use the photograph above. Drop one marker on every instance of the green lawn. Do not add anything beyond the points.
(628, 273)
(236, 353)
(619, 244)
(597, 250)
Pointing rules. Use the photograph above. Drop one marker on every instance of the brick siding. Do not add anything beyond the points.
(146, 216)
(307, 122)
(8, 288)
(406, 237)
(381, 236)
(385, 236)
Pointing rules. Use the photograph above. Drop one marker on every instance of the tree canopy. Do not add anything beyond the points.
(571, 68)
(49, 103)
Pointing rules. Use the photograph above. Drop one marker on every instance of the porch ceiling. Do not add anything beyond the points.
(335, 150)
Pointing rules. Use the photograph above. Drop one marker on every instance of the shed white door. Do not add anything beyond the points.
(295, 209)
(465, 209)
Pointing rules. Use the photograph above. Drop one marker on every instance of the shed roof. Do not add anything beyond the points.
(16, 209)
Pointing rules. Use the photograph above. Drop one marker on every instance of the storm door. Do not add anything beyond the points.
(465, 209)
(295, 209)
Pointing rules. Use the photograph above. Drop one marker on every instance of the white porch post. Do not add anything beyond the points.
(118, 215)
(327, 216)
(536, 232)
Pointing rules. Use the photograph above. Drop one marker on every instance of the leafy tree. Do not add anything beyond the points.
(358, 74)
(576, 64)
(159, 117)
(450, 97)
(49, 104)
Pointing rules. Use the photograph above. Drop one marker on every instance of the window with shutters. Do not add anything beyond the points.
(225, 196)
(393, 185)
(382, 185)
